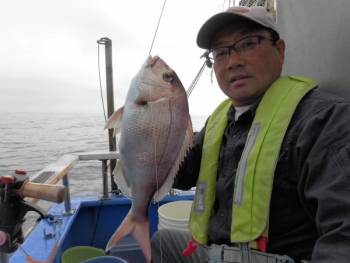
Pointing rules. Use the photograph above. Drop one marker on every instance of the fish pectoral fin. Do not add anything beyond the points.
(139, 230)
(115, 121)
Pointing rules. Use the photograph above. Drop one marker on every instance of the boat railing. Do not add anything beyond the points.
(59, 170)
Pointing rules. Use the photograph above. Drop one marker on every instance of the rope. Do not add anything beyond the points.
(99, 78)
(155, 33)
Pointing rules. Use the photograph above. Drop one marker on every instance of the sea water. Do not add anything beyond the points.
(34, 140)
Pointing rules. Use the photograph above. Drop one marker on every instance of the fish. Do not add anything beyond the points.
(154, 131)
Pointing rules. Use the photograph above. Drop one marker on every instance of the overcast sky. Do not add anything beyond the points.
(49, 51)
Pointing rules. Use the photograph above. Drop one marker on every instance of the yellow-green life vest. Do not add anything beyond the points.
(256, 168)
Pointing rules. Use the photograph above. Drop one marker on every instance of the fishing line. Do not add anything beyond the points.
(155, 33)
(156, 171)
(100, 82)
(155, 145)
(194, 82)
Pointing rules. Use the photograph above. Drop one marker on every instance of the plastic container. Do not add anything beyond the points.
(105, 259)
(81, 253)
(128, 249)
(175, 215)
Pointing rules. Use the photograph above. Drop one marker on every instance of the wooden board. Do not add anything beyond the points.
(54, 172)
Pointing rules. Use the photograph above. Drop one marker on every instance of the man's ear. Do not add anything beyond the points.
(281, 46)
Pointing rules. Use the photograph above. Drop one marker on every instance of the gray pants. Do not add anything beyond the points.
(167, 247)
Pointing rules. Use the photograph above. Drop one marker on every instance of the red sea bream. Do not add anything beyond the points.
(155, 132)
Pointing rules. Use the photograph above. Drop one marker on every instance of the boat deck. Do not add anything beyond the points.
(91, 223)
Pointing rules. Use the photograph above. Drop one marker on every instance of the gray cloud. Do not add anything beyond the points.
(48, 55)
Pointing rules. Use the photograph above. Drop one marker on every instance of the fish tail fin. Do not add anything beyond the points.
(139, 230)
(141, 234)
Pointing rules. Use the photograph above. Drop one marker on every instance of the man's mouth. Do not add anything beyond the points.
(237, 78)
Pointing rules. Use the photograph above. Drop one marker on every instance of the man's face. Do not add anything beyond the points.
(245, 76)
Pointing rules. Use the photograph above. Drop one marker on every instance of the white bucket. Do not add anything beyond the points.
(174, 215)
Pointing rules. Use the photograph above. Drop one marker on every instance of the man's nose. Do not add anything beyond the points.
(234, 60)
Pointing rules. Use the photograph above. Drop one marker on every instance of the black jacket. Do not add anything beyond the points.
(310, 202)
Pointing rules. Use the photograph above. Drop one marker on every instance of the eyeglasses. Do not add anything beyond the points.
(242, 46)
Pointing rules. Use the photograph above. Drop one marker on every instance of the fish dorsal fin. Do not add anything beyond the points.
(120, 179)
(115, 121)
(187, 144)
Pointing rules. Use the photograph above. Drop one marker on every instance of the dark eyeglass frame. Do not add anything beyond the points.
(245, 47)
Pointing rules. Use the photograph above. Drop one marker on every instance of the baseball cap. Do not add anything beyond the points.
(256, 14)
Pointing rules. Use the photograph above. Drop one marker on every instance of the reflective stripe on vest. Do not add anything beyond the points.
(254, 178)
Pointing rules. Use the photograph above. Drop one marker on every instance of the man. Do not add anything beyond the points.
(272, 165)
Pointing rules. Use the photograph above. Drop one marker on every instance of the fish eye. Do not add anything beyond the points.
(168, 77)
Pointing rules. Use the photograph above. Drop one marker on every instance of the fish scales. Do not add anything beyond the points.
(155, 134)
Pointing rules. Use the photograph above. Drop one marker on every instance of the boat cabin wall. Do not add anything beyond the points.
(317, 41)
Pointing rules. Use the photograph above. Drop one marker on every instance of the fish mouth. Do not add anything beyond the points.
(152, 60)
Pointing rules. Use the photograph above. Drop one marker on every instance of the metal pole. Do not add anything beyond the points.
(104, 179)
(110, 101)
(67, 202)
